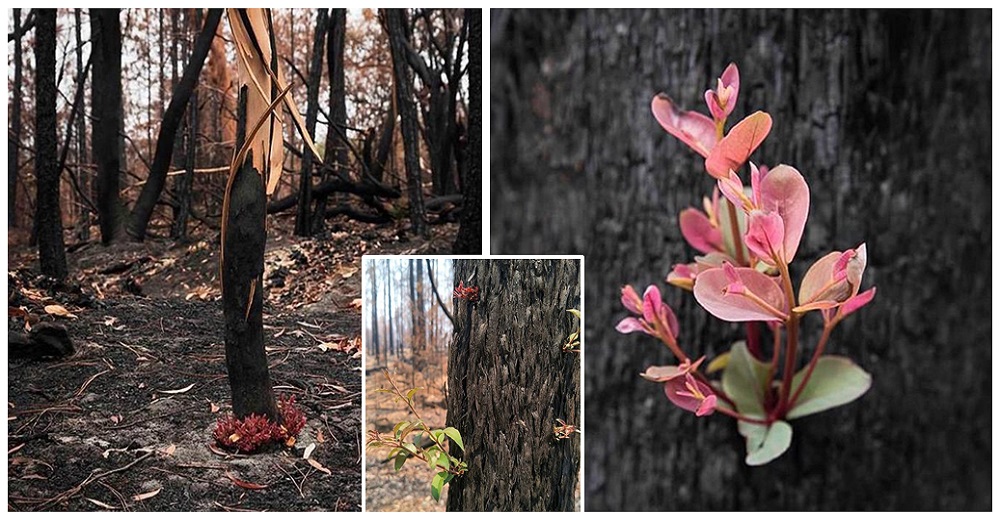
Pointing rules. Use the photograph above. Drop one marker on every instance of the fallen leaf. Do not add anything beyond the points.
(319, 437)
(116, 419)
(178, 391)
(244, 484)
(59, 310)
(99, 503)
(356, 303)
(309, 450)
(143, 496)
(169, 450)
(213, 407)
(319, 466)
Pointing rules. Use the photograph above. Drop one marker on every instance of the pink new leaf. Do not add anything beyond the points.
(693, 129)
(722, 100)
(761, 298)
(785, 192)
(698, 230)
(736, 147)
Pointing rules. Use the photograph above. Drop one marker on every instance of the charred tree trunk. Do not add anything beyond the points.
(106, 107)
(396, 26)
(242, 285)
(508, 383)
(872, 107)
(336, 153)
(185, 182)
(84, 220)
(143, 209)
(470, 231)
(48, 214)
(303, 218)
(14, 137)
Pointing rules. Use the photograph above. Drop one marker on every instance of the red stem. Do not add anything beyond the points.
(812, 365)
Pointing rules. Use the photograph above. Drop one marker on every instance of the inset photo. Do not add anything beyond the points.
(472, 383)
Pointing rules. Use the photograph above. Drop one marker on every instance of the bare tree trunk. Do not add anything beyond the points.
(143, 209)
(871, 106)
(395, 24)
(106, 107)
(470, 231)
(84, 220)
(14, 138)
(509, 382)
(48, 214)
(373, 280)
(336, 150)
(303, 219)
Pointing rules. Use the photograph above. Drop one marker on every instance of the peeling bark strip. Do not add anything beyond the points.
(242, 284)
(509, 382)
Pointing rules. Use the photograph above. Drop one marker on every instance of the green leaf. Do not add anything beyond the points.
(745, 381)
(444, 461)
(766, 443)
(432, 455)
(410, 447)
(835, 381)
(400, 426)
(400, 460)
(436, 484)
(574, 312)
(455, 436)
(411, 393)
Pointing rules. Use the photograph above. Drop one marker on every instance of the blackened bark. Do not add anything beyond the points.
(48, 214)
(303, 217)
(143, 209)
(470, 231)
(186, 180)
(106, 107)
(242, 286)
(875, 109)
(14, 138)
(336, 152)
(83, 222)
(508, 383)
(395, 25)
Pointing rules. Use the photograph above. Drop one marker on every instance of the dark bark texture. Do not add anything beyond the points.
(336, 153)
(470, 231)
(242, 284)
(106, 107)
(303, 217)
(887, 115)
(14, 137)
(48, 214)
(508, 383)
(395, 21)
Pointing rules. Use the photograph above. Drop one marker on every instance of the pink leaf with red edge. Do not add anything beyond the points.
(709, 290)
(816, 286)
(679, 394)
(736, 147)
(722, 100)
(786, 193)
(698, 230)
(655, 311)
(631, 299)
(856, 302)
(765, 235)
(693, 129)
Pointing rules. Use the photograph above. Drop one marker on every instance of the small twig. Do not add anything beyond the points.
(93, 477)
